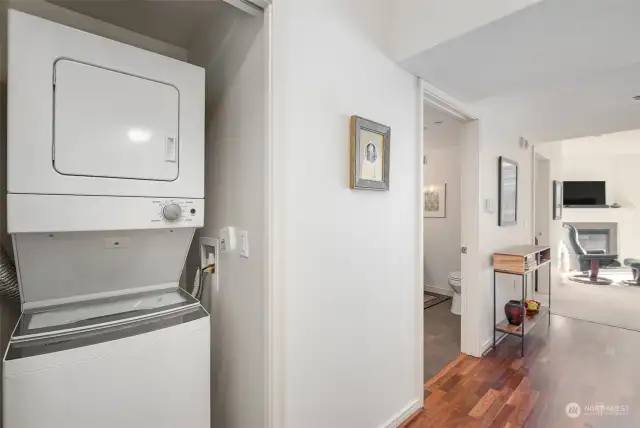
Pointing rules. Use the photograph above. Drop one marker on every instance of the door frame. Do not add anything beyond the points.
(536, 158)
(471, 321)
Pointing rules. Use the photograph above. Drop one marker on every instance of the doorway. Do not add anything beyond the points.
(451, 205)
(442, 239)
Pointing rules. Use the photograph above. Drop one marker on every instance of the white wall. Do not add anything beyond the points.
(622, 175)
(347, 277)
(500, 137)
(442, 235)
(418, 25)
(234, 51)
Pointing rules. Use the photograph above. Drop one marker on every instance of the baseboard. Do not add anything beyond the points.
(438, 290)
(488, 344)
(404, 414)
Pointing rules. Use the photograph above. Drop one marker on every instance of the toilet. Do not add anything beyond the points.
(455, 282)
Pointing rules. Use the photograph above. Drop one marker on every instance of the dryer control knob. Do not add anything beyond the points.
(171, 212)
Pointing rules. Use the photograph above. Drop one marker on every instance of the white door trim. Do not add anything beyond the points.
(440, 102)
(419, 291)
(471, 314)
(274, 322)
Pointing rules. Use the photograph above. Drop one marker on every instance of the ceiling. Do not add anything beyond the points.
(620, 143)
(566, 68)
(174, 21)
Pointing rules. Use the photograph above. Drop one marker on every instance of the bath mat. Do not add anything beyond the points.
(432, 299)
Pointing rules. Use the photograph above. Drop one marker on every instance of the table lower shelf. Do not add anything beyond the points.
(529, 324)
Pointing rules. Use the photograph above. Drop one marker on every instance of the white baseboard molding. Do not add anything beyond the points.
(486, 346)
(433, 289)
(404, 414)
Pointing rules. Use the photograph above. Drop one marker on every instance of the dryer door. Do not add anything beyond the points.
(114, 125)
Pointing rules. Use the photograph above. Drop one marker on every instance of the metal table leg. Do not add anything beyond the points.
(524, 312)
(549, 294)
(494, 309)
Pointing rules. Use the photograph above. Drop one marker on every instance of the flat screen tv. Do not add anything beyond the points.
(584, 193)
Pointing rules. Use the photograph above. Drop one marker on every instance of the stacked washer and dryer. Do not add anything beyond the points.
(105, 190)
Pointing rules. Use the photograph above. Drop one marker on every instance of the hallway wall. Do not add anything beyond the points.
(500, 135)
(346, 273)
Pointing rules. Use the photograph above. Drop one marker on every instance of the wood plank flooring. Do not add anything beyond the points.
(571, 361)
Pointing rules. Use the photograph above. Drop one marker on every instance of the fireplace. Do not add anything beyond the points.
(598, 236)
(595, 239)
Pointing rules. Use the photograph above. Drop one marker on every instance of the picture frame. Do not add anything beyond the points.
(558, 195)
(507, 192)
(370, 152)
(435, 201)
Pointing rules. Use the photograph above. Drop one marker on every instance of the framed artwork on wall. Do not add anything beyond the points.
(435, 201)
(370, 154)
(558, 188)
(507, 192)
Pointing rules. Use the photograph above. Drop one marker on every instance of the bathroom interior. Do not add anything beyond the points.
(442, 239)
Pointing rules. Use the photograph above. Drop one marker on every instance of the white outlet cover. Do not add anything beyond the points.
(243, 237)
(489, 205)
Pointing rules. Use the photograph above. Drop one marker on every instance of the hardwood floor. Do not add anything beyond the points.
(572, 361)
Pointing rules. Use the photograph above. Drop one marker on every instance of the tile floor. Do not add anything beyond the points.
(441, 338)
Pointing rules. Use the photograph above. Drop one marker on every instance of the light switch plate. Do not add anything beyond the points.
(227, 239)
(243, 237)
(489, 205)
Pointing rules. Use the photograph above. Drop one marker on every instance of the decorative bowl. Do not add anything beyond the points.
(531, 311)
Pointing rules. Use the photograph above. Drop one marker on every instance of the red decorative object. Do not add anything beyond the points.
(513, 310)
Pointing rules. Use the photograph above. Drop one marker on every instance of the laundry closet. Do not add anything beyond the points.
(134, 165)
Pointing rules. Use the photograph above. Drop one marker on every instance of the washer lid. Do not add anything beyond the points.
(57, 343)
(99, 313)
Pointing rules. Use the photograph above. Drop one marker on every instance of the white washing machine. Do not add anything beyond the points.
(127, 361)
(105, 191)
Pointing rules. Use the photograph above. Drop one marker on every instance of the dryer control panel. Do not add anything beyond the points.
(175, 210)
(84, 213)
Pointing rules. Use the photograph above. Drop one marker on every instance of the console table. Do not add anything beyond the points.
(521, 261)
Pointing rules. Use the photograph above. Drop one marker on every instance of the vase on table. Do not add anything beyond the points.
(513, 310)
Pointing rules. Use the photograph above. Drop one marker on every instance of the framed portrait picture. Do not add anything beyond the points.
(558, 187)
(507, 192)
(435, 201)
(370, 150)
